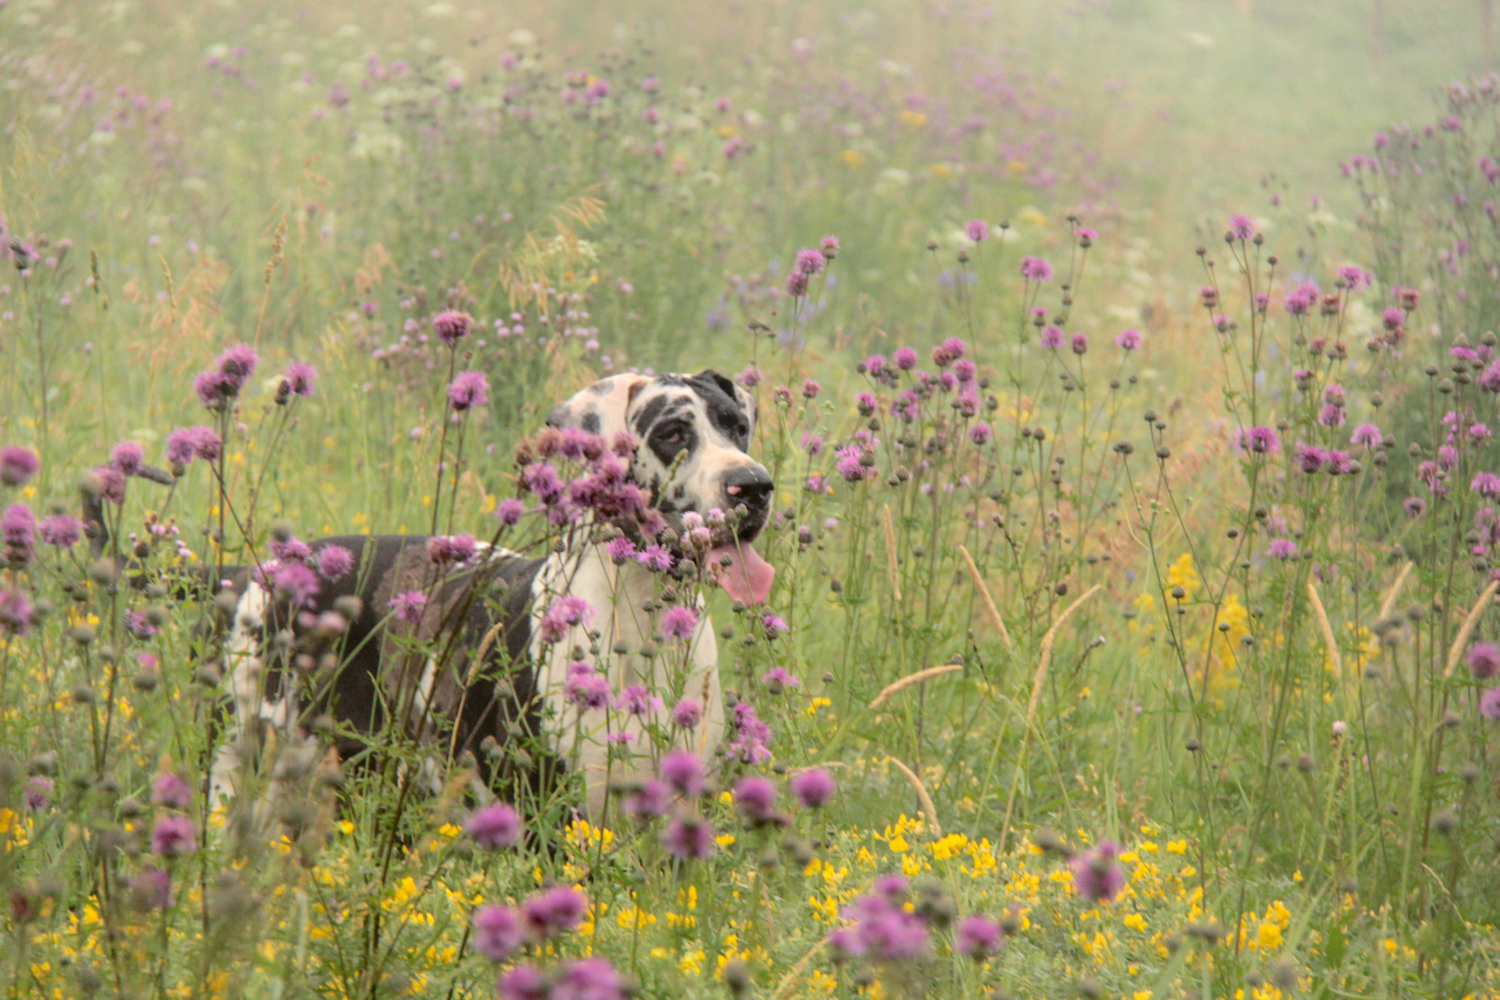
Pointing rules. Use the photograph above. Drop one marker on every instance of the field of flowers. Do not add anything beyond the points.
(1127, 371)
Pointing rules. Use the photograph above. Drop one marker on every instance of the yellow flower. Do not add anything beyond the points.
(853, 158)
(913, 118)
(1269, 937)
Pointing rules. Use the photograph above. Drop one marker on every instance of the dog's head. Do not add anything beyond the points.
(692, 436)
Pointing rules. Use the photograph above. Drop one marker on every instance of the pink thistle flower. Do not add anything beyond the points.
(334, 562)
(1097, 874)
(810, 262)
(408, 606)
(1484, 660)
(497, 826)
(977, 936)
(469, 389)
(1489, 704)
(452, 326)
(558, 909)
(174, 836)
(1368, 435)
(1036, 269)
(977, 230)
(510, 511)
(755, 798)
(778, 679)
(1080, 344)
(498, 932)
(18, 465)
(679, 623)
(300, 379)
(687, 713)
(1052, 337)
(171, 791)
(637, 700)
(813, 788)
(1128, 339)
(689, 839)
(586, 687)
(1282, 548)
(683, 771)
(61, 530)
(236, 365)
(1241, 228)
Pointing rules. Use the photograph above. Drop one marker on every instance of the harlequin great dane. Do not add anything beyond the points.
(471, 670)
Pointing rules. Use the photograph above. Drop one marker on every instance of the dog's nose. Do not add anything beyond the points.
(750, 485)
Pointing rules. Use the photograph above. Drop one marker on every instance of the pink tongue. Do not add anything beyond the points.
(747, 577)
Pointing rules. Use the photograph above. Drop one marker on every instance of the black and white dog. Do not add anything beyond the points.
(469, 669)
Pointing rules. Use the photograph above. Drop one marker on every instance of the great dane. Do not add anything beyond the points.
(488, 661)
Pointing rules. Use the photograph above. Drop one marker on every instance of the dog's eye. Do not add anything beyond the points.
(673, 436)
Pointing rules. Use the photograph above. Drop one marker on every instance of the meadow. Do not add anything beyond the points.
(1127, 373)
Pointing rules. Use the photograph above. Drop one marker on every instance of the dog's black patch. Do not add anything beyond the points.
(649, 412)
(722, 406)
(590, 421)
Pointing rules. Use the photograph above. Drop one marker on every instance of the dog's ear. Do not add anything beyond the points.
(599, 408)
(746, 402)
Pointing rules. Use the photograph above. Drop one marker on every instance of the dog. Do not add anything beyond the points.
(480, 668)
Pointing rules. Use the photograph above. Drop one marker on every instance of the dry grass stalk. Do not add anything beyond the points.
(1389, 600)
(788, 984)
(1456, 651)
(1326, 628)
(922, 796)
(890, 550)
(984, 596)
(897, 686)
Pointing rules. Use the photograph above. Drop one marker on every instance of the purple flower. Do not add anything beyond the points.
(469, 389)
(206, 442)
(1414, 506)
(750, 735)
(39, 792)
(300, 379)
(1052, 337)
(561, 615)
(510, 511)
(1489, 379)
(1367, 435)
(588, 979)
(778, 680)
(687, 713)
(1036, 269)
(1241, 228)
(977, 231)
(111, 483)
(523, 982)
(1310, 458)
(812, 788)
(1128, 340)
(774, 625)
(452, 326)
(235, 366)
(690, 839)
(655, 558)
(171, 791)
(18, 465)
(408, 606)
(450, 550)
(1356, 279)
(1080, 344)
(17, 615)
(682, 770)
(810, 262)
(977, 936)
(18, 532)
(1487, 485)
(796, 283)
(1097, 874)
(679, 623)
(810, 389)
(1282, 548)
(498, 932)
(1489, 704)
(334, 562)
(1259, 441)
(61, 530)
(296, 583)
(651, 799)
(496, 826)
(905, 358)
(558, 909)
(1484, 660)
(830, 246)
(586, 687)
(638, 700)
(173, 836)
(755, 798)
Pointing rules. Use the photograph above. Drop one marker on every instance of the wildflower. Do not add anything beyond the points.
(977, 231)
(1331, 416)
(796, 284)
(111, 483)
(586, 687)
(1086, 237)
(206, 442)
(1356, 279)
(61, 530)
(1080, 344)
(1096, 873)
(755, 798)
(778, 680)
(980, 433)
(1310, 458)
(687, 713)
(469, 389)
(1241, 228)
(236, 365)
(1259, 441)
(1300, 301)
(452, 326)
(18, 532)
(17, 615)
(948, 352)
(446, 550)
(523, 982)
(1484, 660)
(651, 799)
(977, 936)
(334, 562)
(1489, 704)
(750, 377)
(810, 262)
(18, 465)
(637, 700)
(1036, 269)
(750, 735)
(810, 389)
(588, 979)
(830, 246)
(497, 826)
(408, 606)
(39, 792)
(564, 612)
(964, 371)
(299, 379)
(679, 623)
(905, 358)
(1487, 485)
(173, 836)
(1282, 548)
(774, 625)
(1367, 435)
(296, 583)
(171, 791)
(690, 839)
(498, 932)
(1052, 337)
(683, 771)
(554, 911)
(812, 788)
(655, 558)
